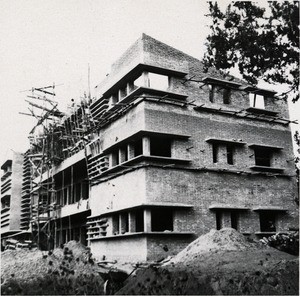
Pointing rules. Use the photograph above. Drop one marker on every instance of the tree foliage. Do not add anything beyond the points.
(262, 42)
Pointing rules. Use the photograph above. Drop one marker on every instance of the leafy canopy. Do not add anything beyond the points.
(262, 42)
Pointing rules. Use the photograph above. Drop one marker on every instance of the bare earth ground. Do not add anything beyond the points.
(64, 271)
(219, 262)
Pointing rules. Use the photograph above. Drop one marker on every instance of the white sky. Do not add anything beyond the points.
(43, 42)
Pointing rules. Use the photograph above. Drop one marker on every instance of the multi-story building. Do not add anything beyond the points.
(163, 154)
(186, 152)
(11, 187)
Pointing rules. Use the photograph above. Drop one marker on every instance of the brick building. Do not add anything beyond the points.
(161, 155)
(11, 187)
(192, 151)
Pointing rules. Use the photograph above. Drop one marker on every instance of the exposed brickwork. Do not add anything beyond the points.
(199, 183)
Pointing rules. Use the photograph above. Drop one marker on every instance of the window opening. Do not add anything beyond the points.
(160, 146)
(122, 93)
(139, 221)
(71, 194)
(58, 197)
(161, 219)
(65, 196)
(77, 192)
(215, 149)
(234, 220)
(211, 93)
(115, 158)
(267, 221)
(5, 203)
(158, 81)
(257, 101)
(116, 224)
(263, 157)
(138, 147)
(124, 154)
(229, 152)
(226, 95)
(114, 99)
(218, 220)
(85, 190)
(124, 222)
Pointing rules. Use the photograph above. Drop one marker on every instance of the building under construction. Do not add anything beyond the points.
(162, 154)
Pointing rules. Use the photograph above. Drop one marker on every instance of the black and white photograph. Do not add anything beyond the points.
(149, 147)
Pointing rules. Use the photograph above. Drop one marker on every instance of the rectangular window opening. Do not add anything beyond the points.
(218, 220)
(257, 101)
(267, 221)
(161, 219)
(139, 221)
(65, 196)
(115, 224)
(160, 146)
(234, 220)
(115, 158)
(138, 147)
(230, 152)
(215, 149)
(226, 95)
(212, 89)
(77, 192)
(124, 223)
(263, 157)
(158, 81)
(122, 93)
(114, 99)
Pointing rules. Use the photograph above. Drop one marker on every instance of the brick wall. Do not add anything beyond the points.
(202, 189)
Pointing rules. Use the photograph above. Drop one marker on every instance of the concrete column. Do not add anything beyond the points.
(120, 223)
(131, 222)
(110, 160)
(129, 87)
(120, 95)
(145, 75)
(130, 151)
(146, 145)
(147, 220)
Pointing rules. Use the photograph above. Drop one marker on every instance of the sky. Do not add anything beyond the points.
(46, 42)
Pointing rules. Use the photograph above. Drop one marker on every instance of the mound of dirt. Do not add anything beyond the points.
(220, 262)
(226, 239)
(70, 270)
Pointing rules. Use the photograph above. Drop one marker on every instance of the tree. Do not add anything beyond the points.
(262, 42)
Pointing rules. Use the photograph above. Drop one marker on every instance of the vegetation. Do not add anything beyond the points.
(261, 42)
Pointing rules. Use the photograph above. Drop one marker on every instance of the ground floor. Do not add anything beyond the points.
(141, 214)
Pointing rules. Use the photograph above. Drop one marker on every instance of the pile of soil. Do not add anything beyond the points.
(220, 262)
(67, 270)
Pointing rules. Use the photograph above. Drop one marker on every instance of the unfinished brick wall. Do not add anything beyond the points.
(201, 182)
(202, 189)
